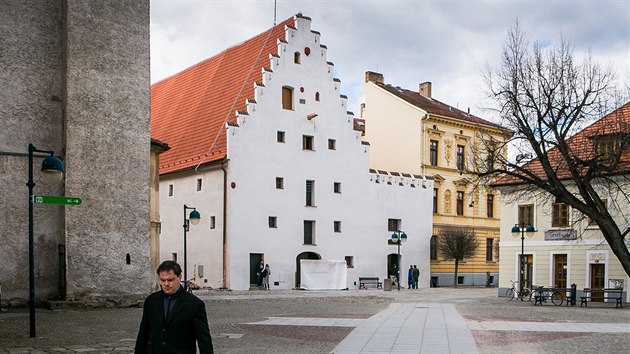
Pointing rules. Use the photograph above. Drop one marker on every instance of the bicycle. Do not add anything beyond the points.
(525, 294)
(541, 294)
(190, 285)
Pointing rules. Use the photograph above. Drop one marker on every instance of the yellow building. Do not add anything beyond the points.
(411, 132)
(563, 246)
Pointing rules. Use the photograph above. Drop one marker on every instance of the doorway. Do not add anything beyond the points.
(560, 271)
(392, 265)
(254, 265)
(529, 270)
(303, 255)
(598, 274)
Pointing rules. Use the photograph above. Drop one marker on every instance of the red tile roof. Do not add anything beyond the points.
(582, 146)
(433, 106)
(190, 108)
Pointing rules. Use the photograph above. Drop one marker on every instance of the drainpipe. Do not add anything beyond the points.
(225, 252)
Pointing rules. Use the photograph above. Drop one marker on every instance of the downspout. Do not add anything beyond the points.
(225, 251)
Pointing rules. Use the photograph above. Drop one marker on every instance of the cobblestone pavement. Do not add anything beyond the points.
(236, 323)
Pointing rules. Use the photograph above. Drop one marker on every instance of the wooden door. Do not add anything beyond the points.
(597, 281)
(560, 271)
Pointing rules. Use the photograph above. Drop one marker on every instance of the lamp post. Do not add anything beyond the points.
(522, 229)
(52, 171)
(194, 219)
(398, 237)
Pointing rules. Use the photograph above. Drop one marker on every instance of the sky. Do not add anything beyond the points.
(449, 43)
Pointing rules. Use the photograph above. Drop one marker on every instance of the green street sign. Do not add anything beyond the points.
(46, 199)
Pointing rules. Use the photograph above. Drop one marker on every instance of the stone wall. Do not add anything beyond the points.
(76, 80)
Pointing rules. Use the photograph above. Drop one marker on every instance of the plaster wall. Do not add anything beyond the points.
(394, 132)
(204, 245)
(363, 206)
(586, 249)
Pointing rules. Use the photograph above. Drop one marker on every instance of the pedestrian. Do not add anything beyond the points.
(261, 267)
(173, 320)
(265, 277)
(410, 277)
(415, 275)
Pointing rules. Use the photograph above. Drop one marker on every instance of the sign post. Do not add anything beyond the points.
(46, 199)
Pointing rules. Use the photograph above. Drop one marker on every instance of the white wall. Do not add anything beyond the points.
(204, 245)
(363, 207)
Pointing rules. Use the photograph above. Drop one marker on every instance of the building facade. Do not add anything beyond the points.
(262, 145)
(76, 81)
(565, 247)
(412, 131)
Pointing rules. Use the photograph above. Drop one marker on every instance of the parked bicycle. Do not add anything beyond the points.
(524, 294)
(190, 285)
(541, 294)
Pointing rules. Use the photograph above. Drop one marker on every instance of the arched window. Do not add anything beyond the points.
(296, 57)
(317, 96)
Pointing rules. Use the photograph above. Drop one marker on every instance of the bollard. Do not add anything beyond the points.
(573, 294)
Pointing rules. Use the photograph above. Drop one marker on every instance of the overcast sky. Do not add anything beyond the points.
(449, 43)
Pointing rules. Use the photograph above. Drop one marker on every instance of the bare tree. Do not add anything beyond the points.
(547, 97)
(457, 243)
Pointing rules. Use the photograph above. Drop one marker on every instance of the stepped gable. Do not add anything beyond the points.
(433, 106)
(582, 145)
(189, 109)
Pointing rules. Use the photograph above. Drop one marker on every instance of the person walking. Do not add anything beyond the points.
(265, 277)
(410, 277)
(173, 320)
(415, 275)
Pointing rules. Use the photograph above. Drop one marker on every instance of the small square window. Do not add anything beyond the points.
(337, 226)
(460, 280)
(349, 261)
(307, 142)
(212, 222)
(199, 184)
(170, 190)
(332, 144)
(279, 183)
(337, 187)
(280, 137)
(273, 222)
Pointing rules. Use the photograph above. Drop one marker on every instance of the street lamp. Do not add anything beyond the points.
(194, 219)
(398, 237)
(52, 171)
(522, 229)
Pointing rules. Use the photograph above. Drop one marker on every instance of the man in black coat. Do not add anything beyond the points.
(173, 320)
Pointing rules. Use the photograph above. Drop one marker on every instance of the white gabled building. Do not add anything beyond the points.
(263, 146)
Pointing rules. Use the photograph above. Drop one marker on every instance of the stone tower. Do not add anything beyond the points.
(76, 81)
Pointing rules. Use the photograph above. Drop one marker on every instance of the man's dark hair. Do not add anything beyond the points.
(168, 266)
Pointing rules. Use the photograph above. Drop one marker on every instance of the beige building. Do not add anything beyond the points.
(565, 247)
(411, 131)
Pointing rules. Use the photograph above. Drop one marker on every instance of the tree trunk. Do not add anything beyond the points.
(617, 244)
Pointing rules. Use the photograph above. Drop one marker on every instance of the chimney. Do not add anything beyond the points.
(374, 77)
(425, 89)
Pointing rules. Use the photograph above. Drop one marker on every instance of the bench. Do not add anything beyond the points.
(370, 282)
(587, 295)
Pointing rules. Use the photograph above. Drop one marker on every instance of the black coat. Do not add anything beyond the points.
(186, 325)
